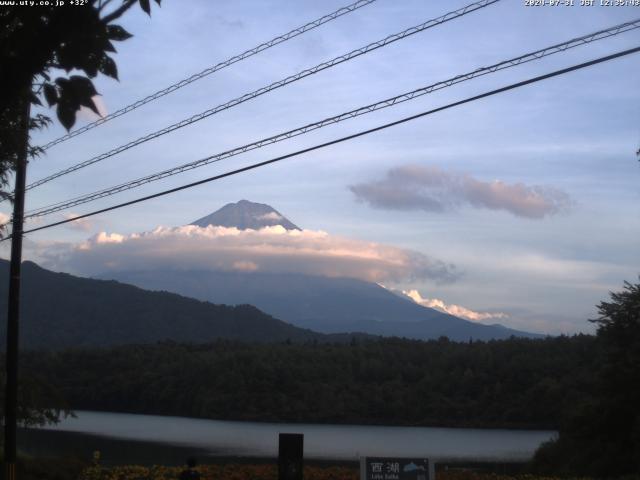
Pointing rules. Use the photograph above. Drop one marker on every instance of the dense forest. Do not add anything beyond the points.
(600, 435)
(509, 383)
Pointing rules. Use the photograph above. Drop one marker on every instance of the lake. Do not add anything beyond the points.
(146, 438)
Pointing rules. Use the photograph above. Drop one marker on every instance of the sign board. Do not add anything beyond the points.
(290, 456)
(396, 468)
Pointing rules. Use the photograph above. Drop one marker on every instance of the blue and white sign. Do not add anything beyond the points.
(394, 468)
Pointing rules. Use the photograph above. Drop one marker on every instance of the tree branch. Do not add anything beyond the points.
(117, 13)
(103, 4)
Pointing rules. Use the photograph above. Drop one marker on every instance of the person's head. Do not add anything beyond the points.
(191, 462)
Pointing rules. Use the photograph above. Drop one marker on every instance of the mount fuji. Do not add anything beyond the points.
(323, 304)
(246, 215)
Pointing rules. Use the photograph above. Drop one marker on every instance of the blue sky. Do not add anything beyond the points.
(576, 135)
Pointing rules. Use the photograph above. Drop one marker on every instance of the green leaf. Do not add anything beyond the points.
(117, 33)
(39, 121)
(108, 67)
(74, 92)
(91, 65)
(35, 100)
(108, 47)
(72, 55)
(66, 114)
(144, 4)
(89, 103)
(82, 86)
(50, 94)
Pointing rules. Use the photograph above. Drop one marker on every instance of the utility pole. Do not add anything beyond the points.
(13, 317)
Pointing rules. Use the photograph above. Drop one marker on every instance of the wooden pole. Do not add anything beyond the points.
(13, 316)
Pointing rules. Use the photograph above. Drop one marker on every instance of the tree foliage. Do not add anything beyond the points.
(40, 48)
(39, 402)
(516, 383)
(602, 435)
(50, 54)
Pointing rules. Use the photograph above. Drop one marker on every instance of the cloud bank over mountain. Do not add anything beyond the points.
(456, 310)
(270, 249)
(431, 189)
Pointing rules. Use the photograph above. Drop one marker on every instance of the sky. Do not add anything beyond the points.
(519, 209)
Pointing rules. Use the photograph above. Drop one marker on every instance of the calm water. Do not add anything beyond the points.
(127, 432)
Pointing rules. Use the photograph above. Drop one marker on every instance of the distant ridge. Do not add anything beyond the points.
(322, 304)
(61, 311)
(246, 215)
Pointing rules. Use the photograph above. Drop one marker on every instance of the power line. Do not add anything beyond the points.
(528, 57)
(280, 83)
(343, 139)
(208, 71)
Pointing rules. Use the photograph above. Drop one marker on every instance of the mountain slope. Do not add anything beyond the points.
(59, 310)
(246, 215)
(322, 304)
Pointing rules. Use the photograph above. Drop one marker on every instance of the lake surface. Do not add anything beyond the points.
(212, 438)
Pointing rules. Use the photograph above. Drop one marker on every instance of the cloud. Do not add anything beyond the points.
(244, 266)
(4, 224)
(83, 224)
(457, 310)
(414, 187)
(271, 249)
(232, 24)
(270, 216)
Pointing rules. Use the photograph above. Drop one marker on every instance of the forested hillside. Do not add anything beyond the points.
(509, 383)
(60, 310)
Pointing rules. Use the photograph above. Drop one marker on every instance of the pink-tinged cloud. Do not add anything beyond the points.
(89, 115)
(83, 224)
(270, 249)
(414, 187)
(457, 310)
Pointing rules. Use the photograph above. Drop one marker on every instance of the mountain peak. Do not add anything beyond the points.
(246, 215)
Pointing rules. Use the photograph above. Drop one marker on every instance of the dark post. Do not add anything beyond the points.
(11, 388)
(290, 453)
